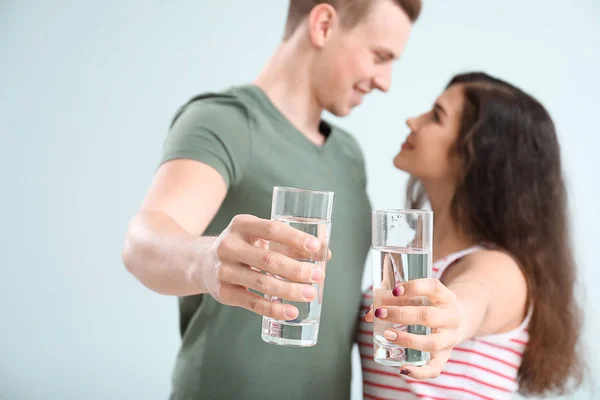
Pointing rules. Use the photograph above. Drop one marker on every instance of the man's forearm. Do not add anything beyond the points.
(164, 257)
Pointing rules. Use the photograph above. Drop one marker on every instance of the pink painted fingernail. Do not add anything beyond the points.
(405, 372)
(381, 313)
(398, 291)
(390, 335)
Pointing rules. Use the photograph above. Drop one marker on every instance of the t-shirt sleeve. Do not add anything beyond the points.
(214, 132)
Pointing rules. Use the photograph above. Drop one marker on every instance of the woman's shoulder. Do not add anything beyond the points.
(492, 262)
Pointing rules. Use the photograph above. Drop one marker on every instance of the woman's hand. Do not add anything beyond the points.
(443, 315)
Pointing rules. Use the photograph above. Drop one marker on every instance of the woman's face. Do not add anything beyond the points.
(426, 153)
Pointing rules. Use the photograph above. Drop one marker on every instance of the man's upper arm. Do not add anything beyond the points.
(205, 153)
(188, 191)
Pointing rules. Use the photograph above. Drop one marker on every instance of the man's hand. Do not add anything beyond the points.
(238, 264)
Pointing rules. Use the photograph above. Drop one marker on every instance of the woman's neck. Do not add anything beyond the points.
(448, 235)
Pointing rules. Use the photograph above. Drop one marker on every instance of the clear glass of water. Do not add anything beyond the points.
(402, 244)
(308, 211)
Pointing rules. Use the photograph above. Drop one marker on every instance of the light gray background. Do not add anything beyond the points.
(87, 91)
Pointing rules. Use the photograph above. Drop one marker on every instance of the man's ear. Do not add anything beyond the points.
(322, 20)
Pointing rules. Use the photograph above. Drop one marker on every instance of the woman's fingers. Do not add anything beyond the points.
(432, 370)
(431, 343)
(433, 289)
(418, 315)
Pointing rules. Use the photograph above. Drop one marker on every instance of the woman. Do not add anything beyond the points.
(505, 318)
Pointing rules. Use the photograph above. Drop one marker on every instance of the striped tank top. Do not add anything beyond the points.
(480, 368)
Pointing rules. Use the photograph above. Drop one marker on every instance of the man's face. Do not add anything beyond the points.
(355, 61)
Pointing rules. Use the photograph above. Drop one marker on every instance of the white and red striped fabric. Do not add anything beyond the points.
(480, 368)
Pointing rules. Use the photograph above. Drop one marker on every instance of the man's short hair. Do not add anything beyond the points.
(351, 11)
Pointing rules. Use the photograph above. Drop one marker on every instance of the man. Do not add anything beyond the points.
(196, 233)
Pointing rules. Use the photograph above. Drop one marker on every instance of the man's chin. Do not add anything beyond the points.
(341, 112)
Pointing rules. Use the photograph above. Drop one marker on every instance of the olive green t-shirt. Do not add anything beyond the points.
(241, 134)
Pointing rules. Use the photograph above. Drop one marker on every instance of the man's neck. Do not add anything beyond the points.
(286, 81)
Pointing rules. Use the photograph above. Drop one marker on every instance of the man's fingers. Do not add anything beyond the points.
(275, 231)
(240, 297)
(268, 284)
(234, 250)
(297, 254)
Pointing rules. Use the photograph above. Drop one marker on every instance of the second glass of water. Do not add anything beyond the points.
(308, 211)
(402, 244)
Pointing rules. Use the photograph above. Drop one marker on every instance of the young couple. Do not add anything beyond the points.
(485, 157)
